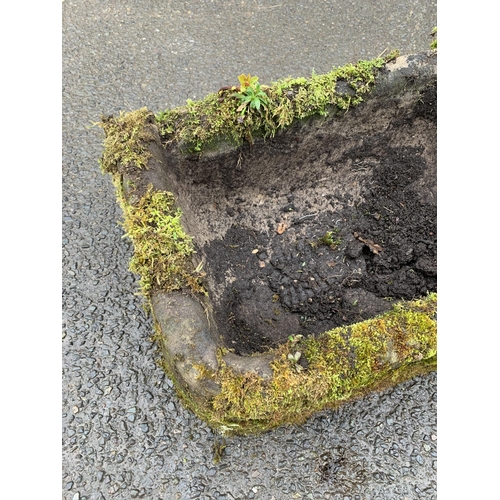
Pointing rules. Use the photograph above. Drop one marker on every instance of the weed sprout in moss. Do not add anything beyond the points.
(251, 94)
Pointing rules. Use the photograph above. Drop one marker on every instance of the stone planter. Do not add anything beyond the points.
(302, 270)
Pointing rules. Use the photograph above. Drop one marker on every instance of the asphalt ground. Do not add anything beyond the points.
(125, 433)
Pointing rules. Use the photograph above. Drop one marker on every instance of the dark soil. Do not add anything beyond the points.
(324, 226)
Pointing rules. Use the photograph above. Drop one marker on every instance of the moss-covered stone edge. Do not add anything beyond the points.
(162, 249)
(342, 364)
(200, 125)
(126, 141)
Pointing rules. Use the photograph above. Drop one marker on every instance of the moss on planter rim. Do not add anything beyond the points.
(162, 249)
(200, 124)
(344, 363)
(126, 141)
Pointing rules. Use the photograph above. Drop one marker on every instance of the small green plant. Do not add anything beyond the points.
(200, 125)
(251, 94)
(327, 239)
(294, 340)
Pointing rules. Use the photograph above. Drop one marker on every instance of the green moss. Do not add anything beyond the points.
(162, 249)
(434, 43)
(201, 124)
(343, 363)
(126, 141)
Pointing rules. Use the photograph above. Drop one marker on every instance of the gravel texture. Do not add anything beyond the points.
(125, 433)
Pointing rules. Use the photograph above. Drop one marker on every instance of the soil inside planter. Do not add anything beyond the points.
(324, 225)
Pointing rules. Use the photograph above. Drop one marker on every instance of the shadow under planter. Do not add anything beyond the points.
(302, 271)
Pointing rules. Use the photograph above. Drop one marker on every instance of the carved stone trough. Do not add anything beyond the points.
(309, 274)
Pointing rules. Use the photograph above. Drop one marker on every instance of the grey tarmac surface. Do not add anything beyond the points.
(125, 433)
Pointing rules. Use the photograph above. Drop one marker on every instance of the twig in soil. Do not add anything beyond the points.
(347, 280)
(308, 215)
(254, 237)
(238, 163)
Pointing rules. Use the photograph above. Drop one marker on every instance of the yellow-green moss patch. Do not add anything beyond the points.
(162, 249)
(126, 141)
(343, 363)
(434, 43)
